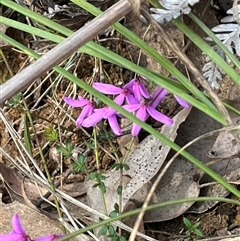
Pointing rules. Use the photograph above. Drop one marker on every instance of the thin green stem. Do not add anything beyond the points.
(96, 148)
(150, 207)
(6, 62)
(98, 170)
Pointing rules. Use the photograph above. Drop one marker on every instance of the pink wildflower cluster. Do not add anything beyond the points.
(18, 233)
(133, 97)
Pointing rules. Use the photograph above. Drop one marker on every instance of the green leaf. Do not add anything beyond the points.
(196, 225)
(111, 230)
(122, 238)
(116, 166)
(126, 167)
(92, 175)
(119, 190)
(102, 187)
(61, 149)
(75, 167)
(198, 232)
(116, 207)
(103, 230)
(69, 146)
(113, 214)
(15, 100)
(89, 145)
(187, 222)
(50, 134)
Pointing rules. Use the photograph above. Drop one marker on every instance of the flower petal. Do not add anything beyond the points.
(159, 116)
(107, 88)
(86, 111)
(131, 99)
(93, 119)
(135, 129)
(158, 95)
(76, 103)
(132, 108)
(142, 115)
(16, 224)
(12, 237)
(136, 91)
(109, 112)
(144, 91)
(119, 99)
(112, 120)
(182, 102)
(129, 85)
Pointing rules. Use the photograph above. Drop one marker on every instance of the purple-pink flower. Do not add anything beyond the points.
(132, 97)
(123, 93)
(143, 110)
(18, 233)
(107, 113)
(80, 102)
(138, 89)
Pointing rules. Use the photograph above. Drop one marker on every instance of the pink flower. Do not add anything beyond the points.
(157, 97)
(81, 102)
(104, 113)
(143, 110)
(182, 102)
(138, 89)
(123, 93)
(160, 92)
